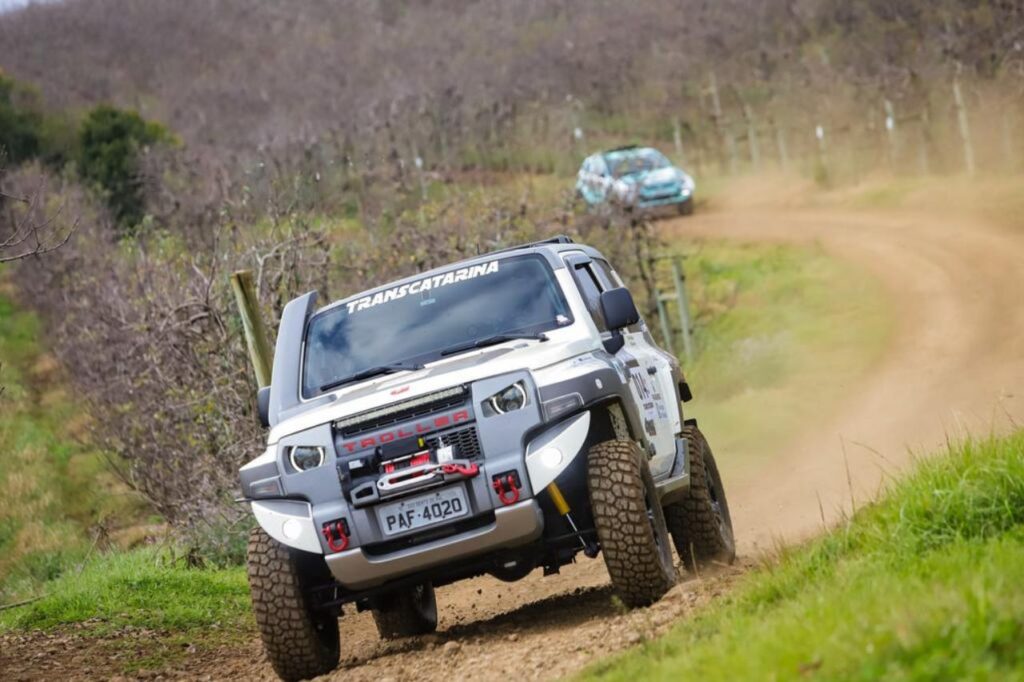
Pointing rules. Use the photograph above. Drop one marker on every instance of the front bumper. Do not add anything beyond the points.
(675, 200)
(514, 525)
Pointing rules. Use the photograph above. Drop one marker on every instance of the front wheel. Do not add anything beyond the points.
(300, 641)
(685, 207)
(406, 613)
(630, 523)
(700, 524)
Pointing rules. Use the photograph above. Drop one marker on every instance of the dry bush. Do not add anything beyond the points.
(149, 334)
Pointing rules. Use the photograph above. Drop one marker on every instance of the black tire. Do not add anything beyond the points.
(630, 523)
(685, 207)
(407, 613)
(300, 642)
(700, 524)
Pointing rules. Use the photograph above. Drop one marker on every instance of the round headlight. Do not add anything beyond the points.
(304, 457)
(511, 399)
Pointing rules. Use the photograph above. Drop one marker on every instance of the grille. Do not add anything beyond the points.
(464, 441)
(400, 412)
(661, 190)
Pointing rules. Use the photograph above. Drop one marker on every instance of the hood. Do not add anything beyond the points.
(659, 176)
(454, 371)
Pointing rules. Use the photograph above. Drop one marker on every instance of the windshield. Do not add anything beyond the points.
(416, 322)
(635, 161)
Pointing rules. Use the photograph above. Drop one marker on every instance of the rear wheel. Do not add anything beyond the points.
(700, 524)
(630, 523)
(406, 613)
(300, 641)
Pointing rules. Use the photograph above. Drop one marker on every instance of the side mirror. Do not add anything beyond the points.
(619, 309)
(263, 406)
(619, 312)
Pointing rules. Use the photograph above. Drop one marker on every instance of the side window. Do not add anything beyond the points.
(591, 292)
(605, 276)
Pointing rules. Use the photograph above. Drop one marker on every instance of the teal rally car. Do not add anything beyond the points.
(636, 179)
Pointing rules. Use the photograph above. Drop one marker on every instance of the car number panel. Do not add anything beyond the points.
(422, 511)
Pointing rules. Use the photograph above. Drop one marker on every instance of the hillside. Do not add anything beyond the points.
(430, 78)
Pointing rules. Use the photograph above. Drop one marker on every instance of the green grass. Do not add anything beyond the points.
(782, 332)
(925, 584)
(141, 588)
(58, 500)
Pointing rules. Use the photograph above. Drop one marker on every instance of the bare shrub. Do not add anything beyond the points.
(31, 225)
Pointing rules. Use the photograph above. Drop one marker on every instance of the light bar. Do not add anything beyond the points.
(370, 415)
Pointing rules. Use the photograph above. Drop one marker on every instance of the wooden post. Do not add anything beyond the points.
(677, 139)
(716, 117)
(819, 134)
(890, 133)
(965, 127)
(730, 145)
(780, 146)
(924, 155)
(755, 149)
(252, 323)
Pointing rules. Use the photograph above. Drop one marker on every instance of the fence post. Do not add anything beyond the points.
(723, 136)
(755, 149)
(780, 145)
(677, 139)
(890, 133)
(926, 140)
(679, 277)
(666, 328)
(252, 324)
(730, 145)
(819, 133)
(964, 125)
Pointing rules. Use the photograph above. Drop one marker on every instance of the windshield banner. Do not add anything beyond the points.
(435, 282)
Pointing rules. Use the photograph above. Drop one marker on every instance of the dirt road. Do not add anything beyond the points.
(956, 362)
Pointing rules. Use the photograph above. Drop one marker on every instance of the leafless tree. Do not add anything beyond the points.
(28, 229)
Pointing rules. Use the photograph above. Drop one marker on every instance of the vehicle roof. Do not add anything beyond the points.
(549, 249)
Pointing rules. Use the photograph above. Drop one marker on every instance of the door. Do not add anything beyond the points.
(645, 369)
(653, 376)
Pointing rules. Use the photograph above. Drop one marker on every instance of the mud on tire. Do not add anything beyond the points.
(406, 613)
(300, 642)
(699, 523)
(630, 524)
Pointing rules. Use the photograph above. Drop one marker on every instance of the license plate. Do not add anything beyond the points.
(420, 512)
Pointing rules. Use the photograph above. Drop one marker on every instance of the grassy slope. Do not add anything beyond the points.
(60, 508)
(783, 331)
(925, 584)
(57, 499)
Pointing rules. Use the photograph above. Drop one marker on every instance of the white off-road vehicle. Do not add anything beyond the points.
(493, 416)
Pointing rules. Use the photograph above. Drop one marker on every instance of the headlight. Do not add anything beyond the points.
(509, 399)
(305, 457)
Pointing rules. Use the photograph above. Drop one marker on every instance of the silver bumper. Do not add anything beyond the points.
(514, 525)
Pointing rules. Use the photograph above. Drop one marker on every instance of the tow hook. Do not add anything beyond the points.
(336, 533)
(507, 486)
(468, 470)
